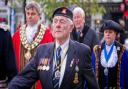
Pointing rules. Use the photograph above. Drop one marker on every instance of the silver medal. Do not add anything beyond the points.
(47, 68)
(106, 71)
(57, 74)
(44, 67)
(77, 68)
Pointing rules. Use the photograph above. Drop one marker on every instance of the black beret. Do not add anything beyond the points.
(63, 11)
(111, 25)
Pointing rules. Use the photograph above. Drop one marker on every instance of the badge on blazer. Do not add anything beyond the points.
(71, 64)
(76, 77)
(76, 80)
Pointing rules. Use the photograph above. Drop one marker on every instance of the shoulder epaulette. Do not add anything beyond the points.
(5, 27)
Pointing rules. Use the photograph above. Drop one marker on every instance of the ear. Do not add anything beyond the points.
(71, 27)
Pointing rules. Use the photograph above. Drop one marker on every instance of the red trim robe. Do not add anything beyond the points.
(17, 45)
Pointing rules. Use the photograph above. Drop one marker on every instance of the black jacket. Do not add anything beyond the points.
(8, 67)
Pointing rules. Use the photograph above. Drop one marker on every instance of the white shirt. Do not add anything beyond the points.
(64, 48)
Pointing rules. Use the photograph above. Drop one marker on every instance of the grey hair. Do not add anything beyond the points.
(79, 10)
(35, 5)
(70, 22)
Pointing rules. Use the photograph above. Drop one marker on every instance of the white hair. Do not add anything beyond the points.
(79, 10)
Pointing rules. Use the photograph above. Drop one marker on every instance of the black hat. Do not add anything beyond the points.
(63, 11)
(112, 25)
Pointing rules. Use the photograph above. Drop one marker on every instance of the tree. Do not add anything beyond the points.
(90, 6)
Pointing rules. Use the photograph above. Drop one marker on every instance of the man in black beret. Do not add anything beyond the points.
(110, 59)
(64, 64)
(8, 67)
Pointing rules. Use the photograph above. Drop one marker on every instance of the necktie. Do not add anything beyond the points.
(56, 72)
(78, 34)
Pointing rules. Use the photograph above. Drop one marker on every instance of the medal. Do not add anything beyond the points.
(47, 68)
(44, 67)
(48, 63)
(106, 71)
(28, 55)
(75, 81)
(77, 68)
(57, 74)
(71, 63)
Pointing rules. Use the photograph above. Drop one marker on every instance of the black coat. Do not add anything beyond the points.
(8, 67)
(88, 37)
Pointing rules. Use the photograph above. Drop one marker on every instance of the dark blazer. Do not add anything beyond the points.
(76, 51)
(88, 36)
(8, 67)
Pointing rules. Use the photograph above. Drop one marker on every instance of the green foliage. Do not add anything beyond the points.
(48, 6)
(90, 6)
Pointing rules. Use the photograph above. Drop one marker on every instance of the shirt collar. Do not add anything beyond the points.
(63, 46)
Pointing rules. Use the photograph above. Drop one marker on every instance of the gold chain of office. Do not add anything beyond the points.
(35, 42)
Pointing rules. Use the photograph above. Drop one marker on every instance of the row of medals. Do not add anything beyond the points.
(44, 65)
(30, 46)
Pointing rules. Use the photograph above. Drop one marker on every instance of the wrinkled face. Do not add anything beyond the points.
(109, 36)
(32, 16)
(78, 20)
(61, 27)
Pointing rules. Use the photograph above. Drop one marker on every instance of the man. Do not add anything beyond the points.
(8, 67)
(111, 59)
(83, 33)
(65, 64)
(30, 35)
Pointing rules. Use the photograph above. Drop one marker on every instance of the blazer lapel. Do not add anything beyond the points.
(68, 69)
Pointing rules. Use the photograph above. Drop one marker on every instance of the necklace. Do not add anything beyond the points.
(35, 42)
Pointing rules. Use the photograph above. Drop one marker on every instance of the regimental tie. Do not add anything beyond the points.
(56, 72)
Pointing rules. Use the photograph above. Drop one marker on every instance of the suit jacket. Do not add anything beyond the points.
(46, 51)
(88, 36)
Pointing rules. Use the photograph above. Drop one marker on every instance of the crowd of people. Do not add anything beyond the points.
(68, 55)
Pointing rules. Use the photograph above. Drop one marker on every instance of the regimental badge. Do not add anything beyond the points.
(64, 11)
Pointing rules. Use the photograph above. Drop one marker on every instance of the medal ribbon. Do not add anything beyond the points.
(107, 56)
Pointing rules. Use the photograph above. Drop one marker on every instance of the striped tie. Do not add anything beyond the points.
(56, 72)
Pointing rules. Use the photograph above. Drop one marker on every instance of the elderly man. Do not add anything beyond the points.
(82, 32)
(64, 64)
(111, 59)
(30, 35)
